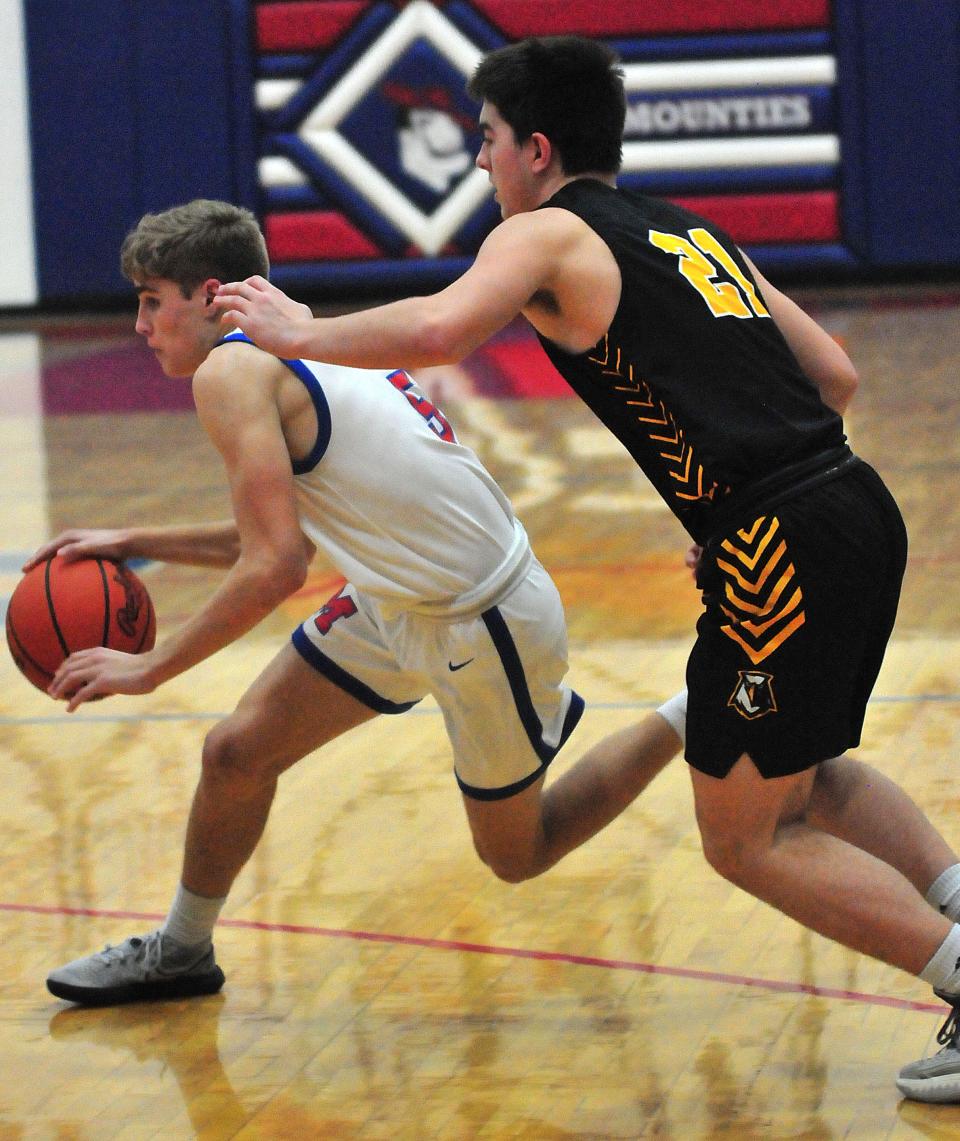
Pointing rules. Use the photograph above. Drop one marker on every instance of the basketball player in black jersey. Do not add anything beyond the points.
(730, 398)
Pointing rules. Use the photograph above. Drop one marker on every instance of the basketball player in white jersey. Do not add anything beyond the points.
(444, 596)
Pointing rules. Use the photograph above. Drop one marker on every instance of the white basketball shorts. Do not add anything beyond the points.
(497, 676)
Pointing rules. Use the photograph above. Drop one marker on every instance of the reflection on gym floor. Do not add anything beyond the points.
(380, 982)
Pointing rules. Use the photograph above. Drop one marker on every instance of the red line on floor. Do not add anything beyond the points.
(781, 985)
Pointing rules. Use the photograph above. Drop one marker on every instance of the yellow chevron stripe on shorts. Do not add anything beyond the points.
(761, 592)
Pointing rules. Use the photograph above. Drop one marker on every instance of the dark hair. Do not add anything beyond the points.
(566, 87)
(187, 244)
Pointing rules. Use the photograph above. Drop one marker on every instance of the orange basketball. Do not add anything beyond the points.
(60, 607)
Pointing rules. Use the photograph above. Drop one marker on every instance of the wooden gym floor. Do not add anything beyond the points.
(381, 983)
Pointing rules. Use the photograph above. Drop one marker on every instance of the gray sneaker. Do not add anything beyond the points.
(141, 968)
(937, 1078)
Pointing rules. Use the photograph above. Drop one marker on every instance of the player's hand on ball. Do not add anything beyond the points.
(64, 605)
(89, 674)
(81, 543)
(271, 319)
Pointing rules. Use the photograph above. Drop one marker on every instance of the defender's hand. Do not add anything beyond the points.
(271, 319)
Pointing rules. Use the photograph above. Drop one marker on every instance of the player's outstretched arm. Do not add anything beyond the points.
(200, 544)
(516, 261)
(403, 333)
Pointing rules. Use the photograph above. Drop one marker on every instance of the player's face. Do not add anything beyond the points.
(507, 163)
(180, 330)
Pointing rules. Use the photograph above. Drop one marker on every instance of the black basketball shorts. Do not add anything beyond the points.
(799, 603)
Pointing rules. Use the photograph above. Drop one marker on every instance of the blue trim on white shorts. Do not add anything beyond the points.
(513, 667)
(339, 676)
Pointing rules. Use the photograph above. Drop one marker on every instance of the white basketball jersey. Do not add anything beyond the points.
(402, 509)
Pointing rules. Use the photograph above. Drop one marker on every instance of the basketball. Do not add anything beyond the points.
(60, 607)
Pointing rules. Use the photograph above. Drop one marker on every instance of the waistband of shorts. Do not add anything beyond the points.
(488, 593)
(780, 486)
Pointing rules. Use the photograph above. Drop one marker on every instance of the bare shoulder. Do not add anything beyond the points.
(544, 247)
(579, 281)
(549, 226)
(236, 363)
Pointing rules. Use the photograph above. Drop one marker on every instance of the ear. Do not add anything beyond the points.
(542, 151)
(210, 287)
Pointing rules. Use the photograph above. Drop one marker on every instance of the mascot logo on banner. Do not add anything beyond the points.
(431, 135)
(389, 140)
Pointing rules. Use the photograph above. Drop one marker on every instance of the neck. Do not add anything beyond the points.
(562, 180)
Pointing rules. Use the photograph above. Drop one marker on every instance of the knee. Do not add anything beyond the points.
(509, 871)
(507, 866)
(226, 757)
(835, 781)
(732, 856)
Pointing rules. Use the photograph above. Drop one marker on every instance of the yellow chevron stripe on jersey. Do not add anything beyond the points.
(749, 536)
(756, 629)
(758, 566)
(770, 601)
(693, 484)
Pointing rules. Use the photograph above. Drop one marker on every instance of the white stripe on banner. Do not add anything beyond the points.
(715, 74)
(720, 154)
(269, 94)
(18, 271)
(708, 75)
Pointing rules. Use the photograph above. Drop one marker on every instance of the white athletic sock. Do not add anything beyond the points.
(944, 893)
(674, 712)
(943, 970)
(191, 918)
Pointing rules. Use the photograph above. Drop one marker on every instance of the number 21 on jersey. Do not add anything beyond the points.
(702, 258)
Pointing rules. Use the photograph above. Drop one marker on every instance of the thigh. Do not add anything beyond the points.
(745, 808)
(508, 832)
(291, 710)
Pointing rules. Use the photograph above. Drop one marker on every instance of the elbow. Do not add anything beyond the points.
(293, 573)
(837, 380)
(849, 379)
(284, 576)
(844, 387)
(440, 341)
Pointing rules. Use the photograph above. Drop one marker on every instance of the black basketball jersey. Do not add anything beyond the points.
(693, 375)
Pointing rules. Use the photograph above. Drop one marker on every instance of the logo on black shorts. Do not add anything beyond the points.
(754, 696)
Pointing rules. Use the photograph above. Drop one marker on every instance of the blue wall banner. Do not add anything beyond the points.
(133, 107)
(807, 128)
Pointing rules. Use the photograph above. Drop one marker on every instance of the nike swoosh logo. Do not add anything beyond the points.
(453, 669)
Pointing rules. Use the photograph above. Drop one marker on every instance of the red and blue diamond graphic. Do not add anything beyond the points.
(367, 137)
